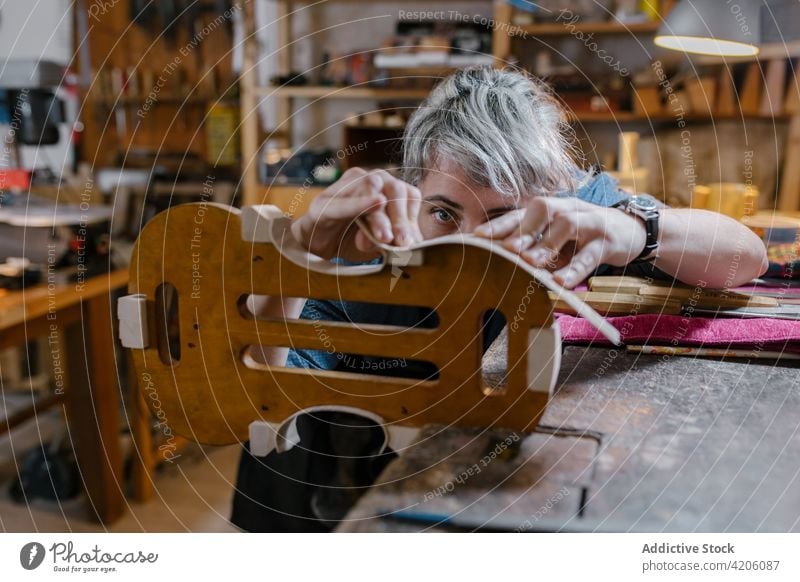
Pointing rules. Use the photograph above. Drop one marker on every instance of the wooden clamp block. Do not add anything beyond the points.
(132, 315)
(212, 388)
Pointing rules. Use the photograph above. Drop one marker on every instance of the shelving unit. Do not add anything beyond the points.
(561, 29)
(252, 93)
(326, 92)
(120, 50)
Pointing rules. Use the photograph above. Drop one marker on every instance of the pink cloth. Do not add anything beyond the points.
(677, 330)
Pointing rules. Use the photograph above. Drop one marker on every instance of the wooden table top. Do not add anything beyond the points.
(663, 444)
(37, 300)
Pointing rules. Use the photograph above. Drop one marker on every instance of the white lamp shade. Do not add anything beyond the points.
(712, 27)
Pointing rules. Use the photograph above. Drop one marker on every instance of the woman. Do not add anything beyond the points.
(485, 154)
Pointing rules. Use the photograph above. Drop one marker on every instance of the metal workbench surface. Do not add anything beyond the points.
(628, 443)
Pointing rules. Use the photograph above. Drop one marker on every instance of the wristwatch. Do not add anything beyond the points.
(646, 209)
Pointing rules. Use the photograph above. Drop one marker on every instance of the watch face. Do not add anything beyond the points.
(643, 203)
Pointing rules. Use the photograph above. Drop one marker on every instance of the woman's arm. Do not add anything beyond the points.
(708, 248)
(278, 307)
(695, 246)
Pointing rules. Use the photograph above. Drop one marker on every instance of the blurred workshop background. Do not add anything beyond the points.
(114, 110)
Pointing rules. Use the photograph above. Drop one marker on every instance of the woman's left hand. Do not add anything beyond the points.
(550, 228)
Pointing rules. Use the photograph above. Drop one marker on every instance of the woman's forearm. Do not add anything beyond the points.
(279, 308)
(699, 247)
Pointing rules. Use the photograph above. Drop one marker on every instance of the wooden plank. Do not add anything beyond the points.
(774, 88)
(625, 284)
(350, 92)
(142, 487)
(501, 40)
(750, 94)
(93, 409)
(283, 106)
(17, 307)
(789, 195)
(611, 27)
(791, 104)
(726, 98)
(91, 389)
(622, 303)
(249, 106)
(294, 200)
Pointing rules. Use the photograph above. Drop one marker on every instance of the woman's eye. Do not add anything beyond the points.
(443, 216)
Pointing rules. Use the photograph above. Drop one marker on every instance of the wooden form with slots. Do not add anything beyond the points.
(216, 393)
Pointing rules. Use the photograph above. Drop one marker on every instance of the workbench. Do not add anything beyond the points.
(627, 443)
(77, 320)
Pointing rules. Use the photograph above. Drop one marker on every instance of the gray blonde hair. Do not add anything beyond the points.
(502, 127)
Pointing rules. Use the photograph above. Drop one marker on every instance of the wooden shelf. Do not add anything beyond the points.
(163, 100)
(627, 116)
(565, 29)
(290, 198)
(323, 92)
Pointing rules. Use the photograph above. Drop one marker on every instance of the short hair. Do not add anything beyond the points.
(504, 128)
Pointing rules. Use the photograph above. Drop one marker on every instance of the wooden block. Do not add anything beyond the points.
(647, 101)
(624, 284)
(709, 298)
(774, 81)
(702, 94)
(726, 94)
(750, 95)
(682, 102)
(619, 304)
(789, 196)
(791, 103)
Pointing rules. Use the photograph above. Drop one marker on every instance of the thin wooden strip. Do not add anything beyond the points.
(625, 284)
(621, 304)
(708, 298)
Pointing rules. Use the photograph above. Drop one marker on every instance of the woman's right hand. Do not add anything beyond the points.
(390, 208)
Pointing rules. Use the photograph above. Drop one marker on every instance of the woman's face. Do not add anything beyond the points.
(452, 204)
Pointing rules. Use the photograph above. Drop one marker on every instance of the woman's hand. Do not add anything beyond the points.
(389, 206)
(569, 236)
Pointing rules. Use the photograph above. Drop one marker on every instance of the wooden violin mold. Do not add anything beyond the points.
(212, 257)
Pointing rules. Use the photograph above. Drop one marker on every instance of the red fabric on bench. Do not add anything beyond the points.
(678, 330)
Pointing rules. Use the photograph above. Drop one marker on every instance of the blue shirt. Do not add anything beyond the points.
(602, 190)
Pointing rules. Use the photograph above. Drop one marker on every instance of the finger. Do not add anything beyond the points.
(397, 208)
(344, 185)
(582, 265)
(538, 215)
(363, 242)
(414, 197)
(344, 207)
(502, 226)
(562, 230)
(533, 224)
(380, 226)
(542, 210)
(371, 185)
(520, 243)
(349, 185)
